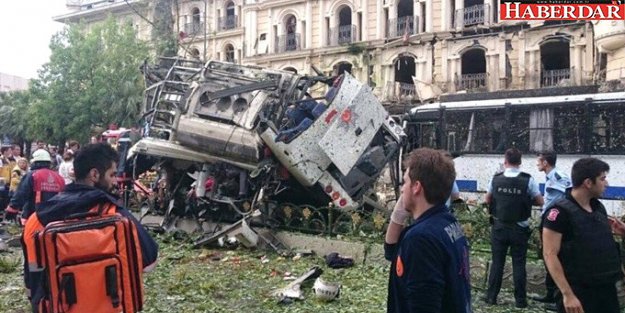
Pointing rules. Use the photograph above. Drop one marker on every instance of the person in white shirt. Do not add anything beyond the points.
(66, 168)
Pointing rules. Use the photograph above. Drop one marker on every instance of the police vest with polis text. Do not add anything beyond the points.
(511, 200)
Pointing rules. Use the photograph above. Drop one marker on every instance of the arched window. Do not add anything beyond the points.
(346, 31)
(229, 53)
(342, 67)
(555, 62)
(405, 69)
(231, 18)
(291, 40)
(195, 16)
(196, 22)
(473, 75)
(405, 23)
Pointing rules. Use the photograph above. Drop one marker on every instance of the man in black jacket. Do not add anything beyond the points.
(578, 245)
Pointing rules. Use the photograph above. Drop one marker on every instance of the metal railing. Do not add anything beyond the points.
(471, 81)
(396, 91)
(228, 22)
(194, 28)
(473, 15)
(288, 42)
(342, 35)
(552, 78)
(405, 25)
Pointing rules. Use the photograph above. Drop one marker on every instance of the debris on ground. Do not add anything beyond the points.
(335, 260)
(326, 291)
(293, 290)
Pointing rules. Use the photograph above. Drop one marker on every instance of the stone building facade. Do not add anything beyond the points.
(448, 46)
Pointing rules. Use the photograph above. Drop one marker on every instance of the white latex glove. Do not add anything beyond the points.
(400, 215)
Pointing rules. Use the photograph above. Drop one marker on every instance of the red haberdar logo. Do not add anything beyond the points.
(563, 10)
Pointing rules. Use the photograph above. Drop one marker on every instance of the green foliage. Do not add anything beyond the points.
(165, 42)
(14, 113)
(92, 80)
(8, 264)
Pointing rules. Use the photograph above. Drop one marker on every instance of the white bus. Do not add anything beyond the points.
(478, 132)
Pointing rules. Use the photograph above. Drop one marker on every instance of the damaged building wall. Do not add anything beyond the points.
(372, 35)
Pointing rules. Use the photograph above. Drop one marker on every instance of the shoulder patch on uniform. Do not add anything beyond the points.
(557, 176)
(553, 215)
(399, 267)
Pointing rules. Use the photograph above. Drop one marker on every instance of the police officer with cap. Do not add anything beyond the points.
(510, 196)
(556, 183)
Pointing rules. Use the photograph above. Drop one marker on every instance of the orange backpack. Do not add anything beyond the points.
(92, 263)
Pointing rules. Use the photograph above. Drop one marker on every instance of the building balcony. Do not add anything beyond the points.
(228, 22)
(476, 81)
(405, 25)
(288, 42)
(554, 78)
(194, 29)
(610, 35)
(342, 35)
(478, 14)
(398, 91)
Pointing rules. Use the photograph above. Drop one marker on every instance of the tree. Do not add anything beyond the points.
(92, 80)
(15, 115)
(162, 29)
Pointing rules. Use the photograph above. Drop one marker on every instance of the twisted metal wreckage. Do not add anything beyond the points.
(250, 145)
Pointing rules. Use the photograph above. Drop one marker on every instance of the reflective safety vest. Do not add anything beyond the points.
(46, 181)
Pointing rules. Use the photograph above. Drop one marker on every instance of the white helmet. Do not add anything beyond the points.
(41, 156)
(326, 291)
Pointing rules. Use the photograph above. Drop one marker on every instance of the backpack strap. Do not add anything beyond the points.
(100, 209)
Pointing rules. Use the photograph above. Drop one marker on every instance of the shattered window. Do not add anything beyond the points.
(608, 129)
(457, 130)
(428, 134)
(569, 130)
(490, 131)
(518, 128)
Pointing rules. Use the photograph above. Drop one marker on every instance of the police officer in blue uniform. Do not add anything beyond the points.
(556, 184)
(578, 243)
(510, 196)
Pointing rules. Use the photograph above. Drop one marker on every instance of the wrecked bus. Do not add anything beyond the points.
(229, 132)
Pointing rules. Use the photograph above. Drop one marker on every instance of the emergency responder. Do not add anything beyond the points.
(39, 185)
(578, 245)
(510, 195)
